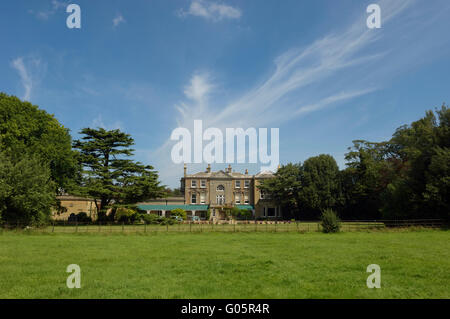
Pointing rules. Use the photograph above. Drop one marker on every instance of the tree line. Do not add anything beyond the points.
(406, 177)
(39, 160)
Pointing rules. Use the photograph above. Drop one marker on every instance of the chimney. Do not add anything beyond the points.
(208, 169)
(229, 168)
(185, 170)
(246, 171)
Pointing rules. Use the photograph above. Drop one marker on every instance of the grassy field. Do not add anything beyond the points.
(414, 264)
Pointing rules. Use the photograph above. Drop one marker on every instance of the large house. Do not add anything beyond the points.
(216, 191)
(201, 191)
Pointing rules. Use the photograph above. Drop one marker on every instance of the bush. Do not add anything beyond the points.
(83, 217)
(154, 219)
(151, 219)
(167, 221)
(80, 218)
(330, 221)
(125, 215)
(179, 212)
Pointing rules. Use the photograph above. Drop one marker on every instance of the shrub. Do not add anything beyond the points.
(80, 218)
(125, 215)
(157, 220)
(151, 219)
(179, 212)
(83, 217)
(330, 221)
(167, 221)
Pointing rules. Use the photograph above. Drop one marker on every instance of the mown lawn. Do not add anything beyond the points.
(414, 264)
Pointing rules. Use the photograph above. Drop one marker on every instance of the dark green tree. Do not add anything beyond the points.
(422, 191)
(284, 189)
(27, 192)
(109, 176)
(371, 167)
(25, 129)
(320, 185)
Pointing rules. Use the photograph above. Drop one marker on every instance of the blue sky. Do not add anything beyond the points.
(310, 68)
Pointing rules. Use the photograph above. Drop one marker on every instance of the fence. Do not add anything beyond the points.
(222, 226)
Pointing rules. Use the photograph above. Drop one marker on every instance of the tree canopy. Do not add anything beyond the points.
(405, 177)
(109, 175)
(26, 129)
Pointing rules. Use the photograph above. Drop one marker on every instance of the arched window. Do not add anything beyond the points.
(220, 188)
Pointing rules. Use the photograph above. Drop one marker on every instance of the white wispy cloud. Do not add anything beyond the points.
(118, 20)
(210, 10)
(334, 69)
(296, 71)
(30, 70)
(25, 77)
(99, 123)
(45, 14)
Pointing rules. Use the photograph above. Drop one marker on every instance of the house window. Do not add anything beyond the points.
(246, 184)
(262, 195)
(220, 199)
(194, 199)
(202, 198)
(193, 183)
(237, 198)
(238, 184)
(271, 212)
(246, 199)
(220, 188)
(203, 183)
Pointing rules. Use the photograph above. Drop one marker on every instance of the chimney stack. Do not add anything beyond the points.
(185, 170)
(246, 171)
(229, 168)
(208, 169)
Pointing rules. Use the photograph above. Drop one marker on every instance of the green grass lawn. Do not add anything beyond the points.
(414, 264)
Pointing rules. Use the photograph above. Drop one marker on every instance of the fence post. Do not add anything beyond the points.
(167, 227)
(76, 226)
(53, 226)
(123, 228)
(99, 224)
(190, 226)
(145, 227)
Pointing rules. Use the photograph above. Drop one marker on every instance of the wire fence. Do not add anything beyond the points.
(220, 226)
